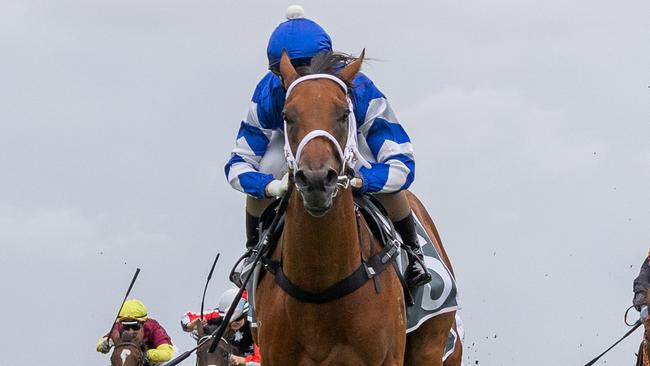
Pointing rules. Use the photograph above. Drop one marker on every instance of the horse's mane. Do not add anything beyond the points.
(327, 62)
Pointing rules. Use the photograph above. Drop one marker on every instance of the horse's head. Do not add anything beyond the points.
(319, 127)
(220, 357)
(127, 350)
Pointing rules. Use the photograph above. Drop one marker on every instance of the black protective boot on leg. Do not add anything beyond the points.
(252, 237)
(416, 274)
(252, 231)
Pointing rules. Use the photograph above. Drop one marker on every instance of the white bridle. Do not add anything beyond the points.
(349, 154)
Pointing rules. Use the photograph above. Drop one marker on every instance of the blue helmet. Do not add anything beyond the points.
(301, 37)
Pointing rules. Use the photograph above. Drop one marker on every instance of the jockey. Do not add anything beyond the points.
(241, 336)
(641, 284)
(257, 165)
(133, 318)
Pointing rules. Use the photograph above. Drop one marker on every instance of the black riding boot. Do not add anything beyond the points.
(252, 231)
(416, 274)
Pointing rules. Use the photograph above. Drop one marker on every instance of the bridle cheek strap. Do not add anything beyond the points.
(348, 155)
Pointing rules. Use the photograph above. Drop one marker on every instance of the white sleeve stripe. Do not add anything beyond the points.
(251, 117)
(392, 148)
(397, 174)
(377, 107)
(244, 150)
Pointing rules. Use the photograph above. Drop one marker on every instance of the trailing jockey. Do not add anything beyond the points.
(240, 333)
(133, 318)
(257, 165)
(641, 284)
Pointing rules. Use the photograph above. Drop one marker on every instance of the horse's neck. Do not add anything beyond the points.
(318, 252)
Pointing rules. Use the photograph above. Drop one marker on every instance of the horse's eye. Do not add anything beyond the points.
(287, 119)
(344, 117)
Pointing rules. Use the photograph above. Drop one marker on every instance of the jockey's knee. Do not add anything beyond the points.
(256, 206)
(396, 204)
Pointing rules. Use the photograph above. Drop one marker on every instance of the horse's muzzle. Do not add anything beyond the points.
(317, 188)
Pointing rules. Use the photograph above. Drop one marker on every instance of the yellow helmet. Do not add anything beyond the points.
(133, 309)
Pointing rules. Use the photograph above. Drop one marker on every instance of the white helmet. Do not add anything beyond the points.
(226, 300)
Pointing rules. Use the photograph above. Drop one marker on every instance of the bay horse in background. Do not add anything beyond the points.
(128, 349)
(323, 241)
(220, 357)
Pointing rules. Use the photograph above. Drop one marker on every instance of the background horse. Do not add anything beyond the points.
(323, 241)
(220, 357)
(128, 351)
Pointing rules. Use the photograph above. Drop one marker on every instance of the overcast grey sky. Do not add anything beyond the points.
(530, 121)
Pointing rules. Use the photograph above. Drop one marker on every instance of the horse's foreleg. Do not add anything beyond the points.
(456, 358)
(426, 345)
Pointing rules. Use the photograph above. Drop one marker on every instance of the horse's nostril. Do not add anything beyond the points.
(300, 178)
(332, 177)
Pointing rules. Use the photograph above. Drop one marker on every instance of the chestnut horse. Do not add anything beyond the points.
(128, 351)
(324, 239)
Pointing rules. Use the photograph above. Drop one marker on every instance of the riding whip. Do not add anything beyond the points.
(638, 324)
(206, 283)
(135, 276)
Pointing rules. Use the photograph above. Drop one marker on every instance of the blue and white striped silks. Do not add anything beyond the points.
(382, 140)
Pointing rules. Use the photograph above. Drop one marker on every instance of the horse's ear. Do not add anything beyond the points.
(350, 71)
(115, 337)
(287, 71)
(199, 328)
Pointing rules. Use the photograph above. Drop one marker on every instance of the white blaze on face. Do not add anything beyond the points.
(124, 355)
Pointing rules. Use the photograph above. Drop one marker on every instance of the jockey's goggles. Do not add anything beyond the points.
(131, 325)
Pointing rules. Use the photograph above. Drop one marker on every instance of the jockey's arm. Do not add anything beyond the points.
(390, 145)
(253, 138)
(188, 321)
(161, 349)
(162, 353)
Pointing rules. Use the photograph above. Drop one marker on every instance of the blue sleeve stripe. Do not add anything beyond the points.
(363, 91)
(254, 183)
(269, 99)
(382, 130)
(234, 159)
(374, 178)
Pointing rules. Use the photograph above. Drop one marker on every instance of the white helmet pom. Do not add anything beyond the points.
(295, 12)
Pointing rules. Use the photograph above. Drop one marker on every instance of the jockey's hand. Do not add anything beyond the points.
(237, 361)
(277, 187)
(145, 359)
(104, 346)
(643, 315)
(356, 183)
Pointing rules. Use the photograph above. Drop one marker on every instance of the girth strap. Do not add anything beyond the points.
(366, 271)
